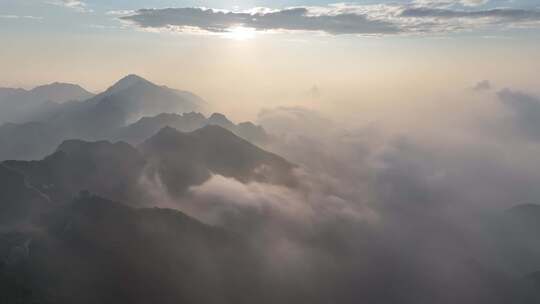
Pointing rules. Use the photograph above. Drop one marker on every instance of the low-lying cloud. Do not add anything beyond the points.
(432, 207)
(484, 85)
(525, 111)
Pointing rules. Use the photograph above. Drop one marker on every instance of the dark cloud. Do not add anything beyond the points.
(294, 19)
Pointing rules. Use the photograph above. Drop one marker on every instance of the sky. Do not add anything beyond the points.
(246, 55)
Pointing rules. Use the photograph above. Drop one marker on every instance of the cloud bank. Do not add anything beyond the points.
(294, 19)
(424, 214)
(339, 19)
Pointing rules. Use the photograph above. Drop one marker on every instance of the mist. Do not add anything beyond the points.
(421, 209)
(269, 152)
(430, 200)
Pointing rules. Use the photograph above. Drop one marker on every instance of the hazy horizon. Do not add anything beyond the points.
(243, 69)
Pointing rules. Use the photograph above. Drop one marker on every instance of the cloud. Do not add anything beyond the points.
(292, 19)
(525, 109)
(20, 17)
(444, 20)
(474, 2)
(448, 3)
(339, 19)
(483, 85)
(77, 5)
(120, 12)
(498, 14)
(434, 194)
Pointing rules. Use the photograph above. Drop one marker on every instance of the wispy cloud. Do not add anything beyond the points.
(77, 5)
(120, 12)
(449, 3)
(484, 85)
(20, 17)
(502, 14)
(423, 16)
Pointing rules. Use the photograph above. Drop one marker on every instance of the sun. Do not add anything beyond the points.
(241, 33)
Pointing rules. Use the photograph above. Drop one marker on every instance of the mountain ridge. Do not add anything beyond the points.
(181, 160)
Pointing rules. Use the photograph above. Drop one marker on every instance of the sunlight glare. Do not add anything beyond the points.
(241, 33)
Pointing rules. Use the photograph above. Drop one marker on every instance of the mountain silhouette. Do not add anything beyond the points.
(186, 159)
(20, 105)
(111, 170)
(101, 117)
(180, 160)
(147, 126)
(127, 100)
(60, 92)
(31, 140)
(94, 250)
(18, 199)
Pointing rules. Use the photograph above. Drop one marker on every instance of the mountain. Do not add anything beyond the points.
(19, 105)
(147, 126)
(186, 159)
(142, 97)
(98, 118)
(94, 250)
(127, 100)
(35, 140)
(60, 92)
(513, 238)
(18, 199)
(62, 243)
(56, 92)
(180, 160)
(29, 141)
(526, 213)
(111, 170)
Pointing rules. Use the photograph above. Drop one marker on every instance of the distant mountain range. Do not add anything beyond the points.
(127, 100)
(65, 238)
(178, 159)
(147, 126)
(131, 110)
(19, 105)
(83, 178)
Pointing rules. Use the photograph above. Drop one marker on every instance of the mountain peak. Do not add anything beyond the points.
(132, 78)
(167, 130)
(57, 84)
(169, 134)
(166, 134)
(128, 81)
(220, 120)
(60, 92)
(215, 130)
